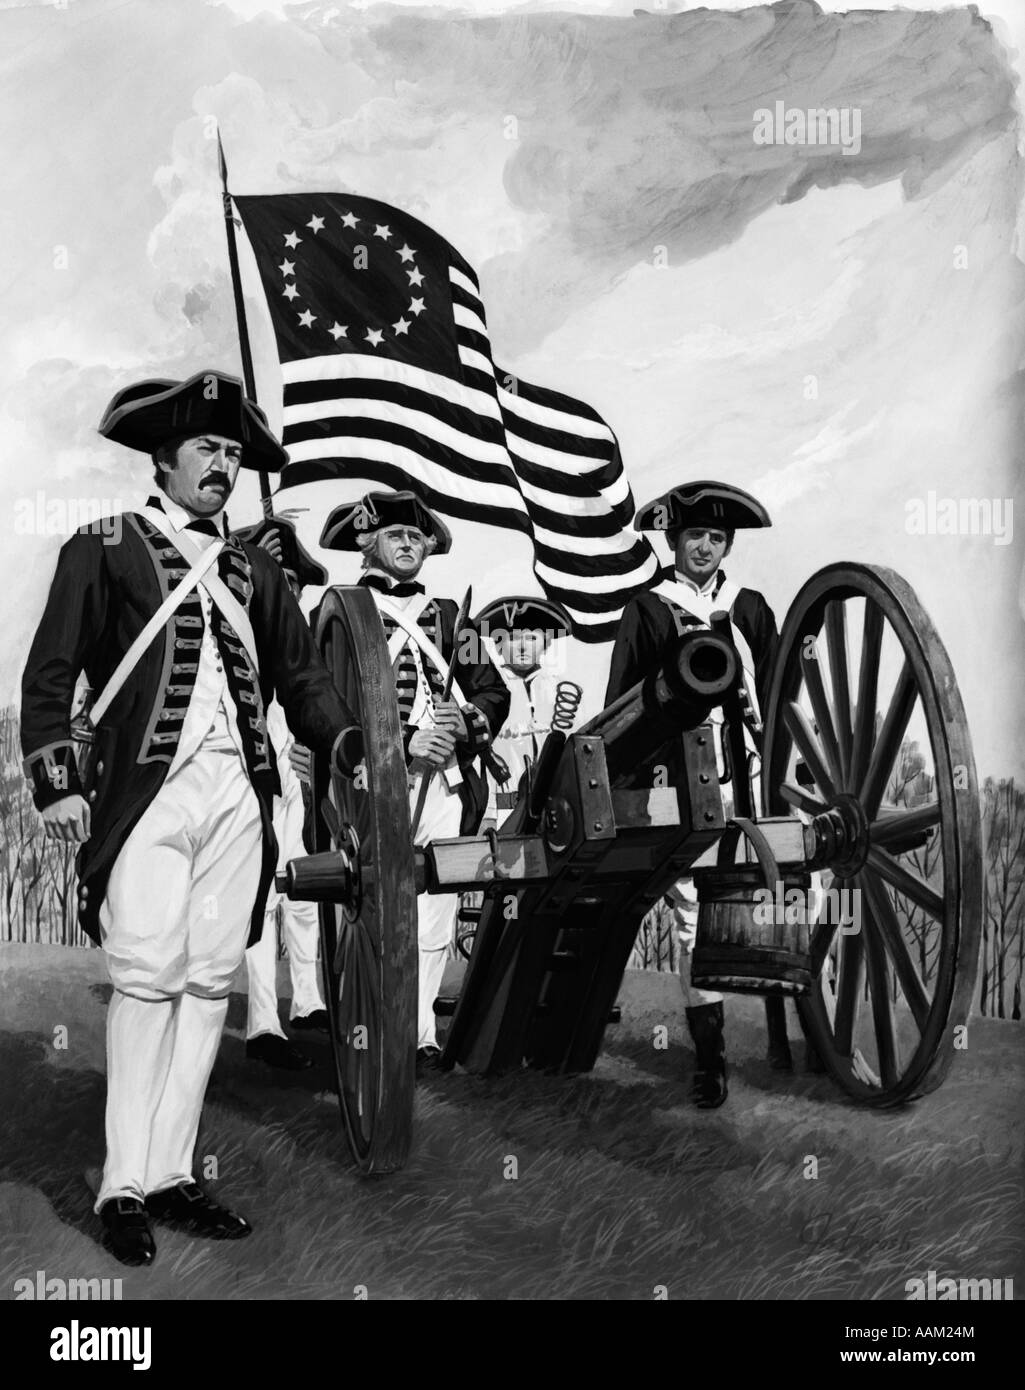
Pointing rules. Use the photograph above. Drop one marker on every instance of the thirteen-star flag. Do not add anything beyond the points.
(388, 375)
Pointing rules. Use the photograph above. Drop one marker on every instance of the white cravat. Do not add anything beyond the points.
(705, 588)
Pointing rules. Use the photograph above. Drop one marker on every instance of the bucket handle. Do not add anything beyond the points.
(741, 825)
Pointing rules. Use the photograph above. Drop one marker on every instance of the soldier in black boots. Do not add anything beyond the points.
(699, 521)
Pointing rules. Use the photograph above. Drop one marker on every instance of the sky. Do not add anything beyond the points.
(840, 334)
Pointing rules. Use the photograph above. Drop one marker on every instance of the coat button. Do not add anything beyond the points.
(92, 796)
(83, 893)
(99, 768)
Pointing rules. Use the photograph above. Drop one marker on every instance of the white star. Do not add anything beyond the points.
(338, 330)
(290, 292)
(416, 306)
(292, 240)
(383, 232)
(415, 277)
(348, 220)
(402, 326)
(315, 223)
(287, 267)
(406, 253)
(375, 337)
(306, 319)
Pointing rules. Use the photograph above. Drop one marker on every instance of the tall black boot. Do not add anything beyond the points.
(708, 1088)
(778, 1055)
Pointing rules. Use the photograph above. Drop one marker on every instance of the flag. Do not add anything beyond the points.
(388, 375)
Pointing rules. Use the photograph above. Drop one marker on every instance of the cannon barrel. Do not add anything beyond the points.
(698, 673)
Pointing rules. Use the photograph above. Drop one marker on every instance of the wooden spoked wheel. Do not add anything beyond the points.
(864, 718)
(368, 947)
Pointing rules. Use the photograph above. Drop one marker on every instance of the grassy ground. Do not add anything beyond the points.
(620, 1186)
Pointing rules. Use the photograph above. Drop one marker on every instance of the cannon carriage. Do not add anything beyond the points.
(867, 789)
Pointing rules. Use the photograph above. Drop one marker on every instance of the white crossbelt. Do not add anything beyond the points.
(220, 595)
(135, 652)
(407, 619)
(410, 630)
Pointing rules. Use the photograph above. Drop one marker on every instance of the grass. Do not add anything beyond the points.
(620, 1187)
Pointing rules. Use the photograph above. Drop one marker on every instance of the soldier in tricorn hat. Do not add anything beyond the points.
(699, 520)
(395, 533)
(517, 632)
(187, 633)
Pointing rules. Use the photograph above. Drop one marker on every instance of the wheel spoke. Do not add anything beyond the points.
(800, 732)
(812, 669)
(887, 748)
(836, 640)
(824, 931)
(906, 882)
(868, 682)
(885, 919)
(850, 958)
(795, 796)
(882, 1007)
(332, 819)
(903, 824)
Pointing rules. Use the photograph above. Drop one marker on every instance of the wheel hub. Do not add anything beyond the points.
(840, 837)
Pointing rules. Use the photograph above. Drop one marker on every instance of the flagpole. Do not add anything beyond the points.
(248, 375)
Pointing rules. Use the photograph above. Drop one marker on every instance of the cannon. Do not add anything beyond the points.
(867, 788)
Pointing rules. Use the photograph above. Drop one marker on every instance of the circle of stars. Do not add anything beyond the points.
(373, 337)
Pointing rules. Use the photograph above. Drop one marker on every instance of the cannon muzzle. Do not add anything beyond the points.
(698, 673)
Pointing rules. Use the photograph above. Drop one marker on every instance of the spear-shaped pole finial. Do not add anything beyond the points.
(248, 375)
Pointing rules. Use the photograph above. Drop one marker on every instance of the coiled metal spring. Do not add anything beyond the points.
(567, 701)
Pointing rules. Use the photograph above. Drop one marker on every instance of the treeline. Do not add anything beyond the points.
(37, 877)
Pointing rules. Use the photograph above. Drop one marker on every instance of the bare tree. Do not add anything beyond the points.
(1003, 811)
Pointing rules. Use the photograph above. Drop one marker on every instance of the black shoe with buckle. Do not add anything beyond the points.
(187, 1208)
(316, 1022)
(428, 1059)
(126, 1231)
(277, 1052)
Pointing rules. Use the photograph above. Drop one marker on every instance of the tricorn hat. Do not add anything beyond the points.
(294, 555)
(719, 503)
(532, 614)
(153, 413)
(375, 510)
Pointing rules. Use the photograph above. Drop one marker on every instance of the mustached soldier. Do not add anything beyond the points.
(395, 533)
(195, 632)
(699, 521)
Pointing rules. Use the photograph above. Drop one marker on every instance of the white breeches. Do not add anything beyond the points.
(180, 896)
(436, 913)
(174, 925)
(300, 925)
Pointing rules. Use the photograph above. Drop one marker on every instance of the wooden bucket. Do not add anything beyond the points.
(743, 946)
(749, 940)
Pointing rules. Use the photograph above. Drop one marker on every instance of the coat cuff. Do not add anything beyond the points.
(347, 750)
(53, 774)
(477, 731)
